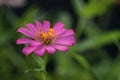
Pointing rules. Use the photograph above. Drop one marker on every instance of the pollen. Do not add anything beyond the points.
(46, 37)
(51, 30)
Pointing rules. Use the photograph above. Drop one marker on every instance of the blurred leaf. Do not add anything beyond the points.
(15, 58)
(78, 6)
(39, 60)
(2, 18)
(4, 38)
(101, 69)
(98, 41)
(63, 66)
(96, 7)
(92, 29)
(66, 18)
(82, 61)
(40, 70)
(114, 71)
(92, 8)
(28, 16)
(12, 17)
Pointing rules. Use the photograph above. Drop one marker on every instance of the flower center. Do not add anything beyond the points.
(45, 37)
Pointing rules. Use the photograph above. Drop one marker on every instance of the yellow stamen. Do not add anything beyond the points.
(46, 38)
(44, 35)
(51, 30)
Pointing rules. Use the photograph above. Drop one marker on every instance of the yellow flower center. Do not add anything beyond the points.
(45, 37)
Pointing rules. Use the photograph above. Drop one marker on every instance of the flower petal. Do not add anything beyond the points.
(26, 40)
(40, 51)
(67, 38)
(38, 24)
(59, 32)
(65, 43)
(46, 25)
(50, 49)
(68, 41)
(28, 49)
(25, 32)
(58, 26)
(67, 33)
(31, 27)
(60, 47)
(23, 40)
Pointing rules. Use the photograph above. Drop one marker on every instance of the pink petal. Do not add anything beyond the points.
(67, 33)
(31, 27)
(28, 49)
(40, 51)
(67, 38)
(60, 47)
(23, 41)
(46, 25)
(38, 24)
(68, 41)
(58, 26)
(26, 40)
(59, 32)
(25, 32)
(65, 43)
(50, 49)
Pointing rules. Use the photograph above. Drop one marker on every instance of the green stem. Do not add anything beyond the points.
(43, 76)
(42, 61)
(45, 57)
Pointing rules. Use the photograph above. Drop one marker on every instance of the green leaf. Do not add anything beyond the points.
(42, 70)
(65, 17)
(28, 16)
(83, 62)
(78, 6)
(95, 8)
(98, 41)
(38, 59)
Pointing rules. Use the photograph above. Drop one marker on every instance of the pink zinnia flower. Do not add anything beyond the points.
(43, 38)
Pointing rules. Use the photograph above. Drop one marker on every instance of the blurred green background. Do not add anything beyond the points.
(95, 56)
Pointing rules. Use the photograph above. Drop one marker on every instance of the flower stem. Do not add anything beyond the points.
(43, 76)
(42, 61)
(45, 57)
